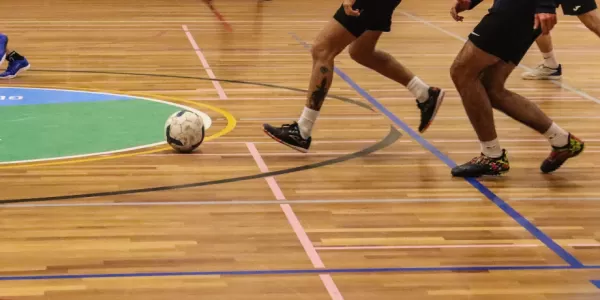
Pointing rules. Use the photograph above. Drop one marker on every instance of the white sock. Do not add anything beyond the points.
(491, 149)
(550, 60)
(306, 121)
(418, 88)
(557, 136)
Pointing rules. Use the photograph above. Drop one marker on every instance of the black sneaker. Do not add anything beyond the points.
(430, 107)
(483, 166)
(289, 135)
(559, 155)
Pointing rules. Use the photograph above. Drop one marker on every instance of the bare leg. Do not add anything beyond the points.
(328, 44)
(429, 99)
(363, 52)
(332, 40)
(465, 73)
(544, 42)
(510, 103)
(591, 21)
(564, 145)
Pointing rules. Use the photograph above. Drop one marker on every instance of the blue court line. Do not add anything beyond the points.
(596, 283)
(293, 272)
(540, 235)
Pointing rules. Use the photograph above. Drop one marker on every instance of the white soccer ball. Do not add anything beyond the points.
(184, 131)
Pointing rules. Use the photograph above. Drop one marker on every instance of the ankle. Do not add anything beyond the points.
(491, 148)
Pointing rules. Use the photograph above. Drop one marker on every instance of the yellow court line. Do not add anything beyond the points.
(231, 123)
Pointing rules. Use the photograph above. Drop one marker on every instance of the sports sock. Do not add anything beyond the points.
(491, 148)
(550, 60)
(418, 88)
(557, 136)
(306, 121)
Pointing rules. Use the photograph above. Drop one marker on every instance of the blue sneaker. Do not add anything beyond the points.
(14, 68)
(3, 44)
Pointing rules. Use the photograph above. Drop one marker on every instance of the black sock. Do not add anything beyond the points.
(14, 56)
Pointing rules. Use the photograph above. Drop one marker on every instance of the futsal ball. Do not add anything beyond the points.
(184, 131)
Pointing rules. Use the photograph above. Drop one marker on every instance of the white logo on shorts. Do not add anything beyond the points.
(576, 8)
(475, 34)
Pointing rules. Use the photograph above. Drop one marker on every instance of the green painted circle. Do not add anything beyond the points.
(60, 130)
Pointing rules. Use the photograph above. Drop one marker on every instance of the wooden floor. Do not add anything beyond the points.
(388, 222)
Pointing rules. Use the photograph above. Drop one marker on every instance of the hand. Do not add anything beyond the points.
(459, 6)
(349, 10)
(545, 21)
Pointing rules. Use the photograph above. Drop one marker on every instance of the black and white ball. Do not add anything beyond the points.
(184, 131)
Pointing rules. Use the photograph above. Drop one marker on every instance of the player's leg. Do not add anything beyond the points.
(332, 40)
(465, 72)
(549, 69)
(16, 62)
(429, 99)
(591, 20)
(564, 145)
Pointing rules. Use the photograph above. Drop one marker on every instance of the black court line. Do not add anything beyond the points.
(388, 140)
(391, 138)
(341, 98)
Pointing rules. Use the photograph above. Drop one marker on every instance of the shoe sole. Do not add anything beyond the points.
(284, 143)
(18, 72)
(438, 103)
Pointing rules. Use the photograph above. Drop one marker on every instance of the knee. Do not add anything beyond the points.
(323, 51)
(359, 55)
(459, 72)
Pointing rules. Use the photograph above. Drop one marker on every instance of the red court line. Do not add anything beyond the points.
(217, 14)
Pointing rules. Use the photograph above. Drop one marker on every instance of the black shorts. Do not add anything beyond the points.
(577, 7)
(505, 35)
(376, 15)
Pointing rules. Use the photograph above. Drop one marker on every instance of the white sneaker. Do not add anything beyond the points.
(543, 72)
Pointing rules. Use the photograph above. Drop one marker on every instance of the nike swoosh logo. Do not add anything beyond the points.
(576, 8)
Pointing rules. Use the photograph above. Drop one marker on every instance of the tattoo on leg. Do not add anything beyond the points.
(318, 96)
(324, 70)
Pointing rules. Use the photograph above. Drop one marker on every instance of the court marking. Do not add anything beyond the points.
(300, 272)
(458, 37)
(341, 98)
(297, 227)
(565, 198)
(205, 65)
(231, 123)
(596, 283)
(388, 140)
(504, 206)
(363, 248)
(207, 121)
(247, 202)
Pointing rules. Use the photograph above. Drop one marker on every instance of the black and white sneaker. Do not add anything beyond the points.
(289, 135)
(430, 107)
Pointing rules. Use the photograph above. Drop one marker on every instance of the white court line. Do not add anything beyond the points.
(205, 64)
(426, 247)
(314, 257)
(557, 199)
(334, 153)
(245, 202)
(458, 37)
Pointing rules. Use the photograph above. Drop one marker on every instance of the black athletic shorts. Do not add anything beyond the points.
(505, 35)
(577, 7)
(376, 15)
